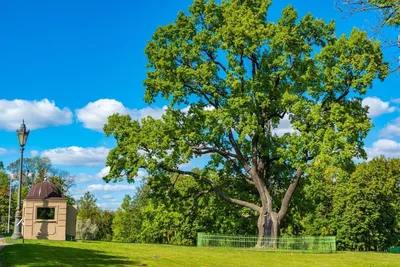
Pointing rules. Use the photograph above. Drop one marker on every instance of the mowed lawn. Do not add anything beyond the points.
(64, 253)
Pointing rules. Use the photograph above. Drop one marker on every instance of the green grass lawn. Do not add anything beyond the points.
(64, 253)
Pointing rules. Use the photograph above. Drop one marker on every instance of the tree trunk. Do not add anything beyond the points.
(275, 230)
(265, 230)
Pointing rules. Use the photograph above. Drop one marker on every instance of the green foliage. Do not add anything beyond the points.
(126, 222)
(38, 169)
(86, 229)
(93, 223)
(360, 206)
(174, 213)
(88, 216)
(367, 206)
(104, 225)
(87, 207)
(312, 215)
(240, 75)
(4, 199)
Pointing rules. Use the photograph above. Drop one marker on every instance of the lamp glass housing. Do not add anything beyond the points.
(22, 135)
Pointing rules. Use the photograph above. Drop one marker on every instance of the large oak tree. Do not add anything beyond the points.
(232, 77)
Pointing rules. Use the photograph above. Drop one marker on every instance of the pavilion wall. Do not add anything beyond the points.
(54, 229)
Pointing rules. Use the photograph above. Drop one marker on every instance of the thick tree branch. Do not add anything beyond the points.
(277, 115)
(206, 150)
(254, 153)
(289, 193)
(213, 59)
(235, 146)
(337, 100)
(206, 97)
(249, 216)
(214, 188)
(227, 155)
(236, 201)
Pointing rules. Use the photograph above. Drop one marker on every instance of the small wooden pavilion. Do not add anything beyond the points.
(47, 215)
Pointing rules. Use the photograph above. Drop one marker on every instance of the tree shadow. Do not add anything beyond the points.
(42, 255)
(43, 232)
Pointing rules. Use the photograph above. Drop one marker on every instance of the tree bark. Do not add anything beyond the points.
(265, 230)
(268, 230)
(275, 230)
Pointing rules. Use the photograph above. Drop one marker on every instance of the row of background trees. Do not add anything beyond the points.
(360, 205)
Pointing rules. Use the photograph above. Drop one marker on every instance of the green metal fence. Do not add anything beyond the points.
(312, 243)
(394, 250)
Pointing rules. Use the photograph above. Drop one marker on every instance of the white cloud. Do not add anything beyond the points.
(186, 166)
(110, 188)
(84, 177)
(37, 114)
(206, 108)
(107, 196)
(392, 128)
(185, 109)
(94, 115)
(155, 112)
(77, 156)
(284, 126)
(34, 153)
(3, 151)
(395, 100)
(140, 175)
(386, 147)
(103, 173)
(376, 106)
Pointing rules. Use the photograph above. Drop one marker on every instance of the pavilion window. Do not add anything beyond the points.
(45, 213)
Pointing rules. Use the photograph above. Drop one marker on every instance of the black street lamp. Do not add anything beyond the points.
(22, 134)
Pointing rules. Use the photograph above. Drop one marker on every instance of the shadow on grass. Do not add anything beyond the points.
(42, 255)
(5, 234)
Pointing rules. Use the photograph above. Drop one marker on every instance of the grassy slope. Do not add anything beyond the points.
(55, 253)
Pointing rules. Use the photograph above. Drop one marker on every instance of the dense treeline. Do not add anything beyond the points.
(359, 205)
(175, 212)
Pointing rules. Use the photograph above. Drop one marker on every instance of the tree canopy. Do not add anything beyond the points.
(38, 169)
(232, 77)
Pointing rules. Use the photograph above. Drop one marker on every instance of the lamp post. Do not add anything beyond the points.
(22, 134)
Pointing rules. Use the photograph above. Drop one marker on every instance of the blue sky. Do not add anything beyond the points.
(65, 65)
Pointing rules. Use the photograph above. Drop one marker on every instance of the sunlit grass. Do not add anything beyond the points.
(64, 253)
